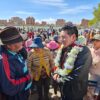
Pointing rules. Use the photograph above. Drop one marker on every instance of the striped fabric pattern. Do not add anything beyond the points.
(34, 61)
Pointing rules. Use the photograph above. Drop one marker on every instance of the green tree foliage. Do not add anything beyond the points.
(93, 21)
(96, 14)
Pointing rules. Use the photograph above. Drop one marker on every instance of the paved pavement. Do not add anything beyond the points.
(51, 94)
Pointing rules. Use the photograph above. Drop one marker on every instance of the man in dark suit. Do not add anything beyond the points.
(73, 82)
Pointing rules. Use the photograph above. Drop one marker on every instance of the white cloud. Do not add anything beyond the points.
(25, 13)
(76, 10)
(48, 20)
(63, 6)
(56, 3)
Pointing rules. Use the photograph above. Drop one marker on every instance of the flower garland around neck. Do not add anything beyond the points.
(69, 61)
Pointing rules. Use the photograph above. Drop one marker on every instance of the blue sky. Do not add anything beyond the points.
(48, 10)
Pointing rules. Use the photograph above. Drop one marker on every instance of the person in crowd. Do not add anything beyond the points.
(81, 40)
(27, 43)
(72, 65)
(94, 88)
(56, 38)
(53, 46)
(40, 63)
(15, 80)
(98, 32)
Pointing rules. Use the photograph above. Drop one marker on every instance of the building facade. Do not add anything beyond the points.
(60, 22)
(30, 21)
(85, 23)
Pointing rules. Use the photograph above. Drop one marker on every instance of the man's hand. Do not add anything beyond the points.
(55, 77)
(62, 79)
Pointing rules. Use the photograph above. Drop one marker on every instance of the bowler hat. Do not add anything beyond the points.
(10, 35)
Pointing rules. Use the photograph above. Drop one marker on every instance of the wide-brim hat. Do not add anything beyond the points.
(37, 43)
(10, 35)
(52, 45)
(96, 37)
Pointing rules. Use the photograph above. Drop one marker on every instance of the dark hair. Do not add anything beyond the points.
(71, 29)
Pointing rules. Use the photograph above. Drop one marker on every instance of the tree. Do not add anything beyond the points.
(92, 22)
(96, 14)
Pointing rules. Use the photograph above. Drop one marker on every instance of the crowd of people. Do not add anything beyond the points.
(34, 60)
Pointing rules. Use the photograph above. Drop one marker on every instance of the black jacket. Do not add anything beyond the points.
(76, 88)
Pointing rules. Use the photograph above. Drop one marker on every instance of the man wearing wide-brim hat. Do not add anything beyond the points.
(40, 62)
(15, 80)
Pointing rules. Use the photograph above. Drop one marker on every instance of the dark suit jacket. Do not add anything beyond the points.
(77, 86)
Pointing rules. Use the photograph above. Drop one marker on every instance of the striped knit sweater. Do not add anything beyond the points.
(39, 59)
